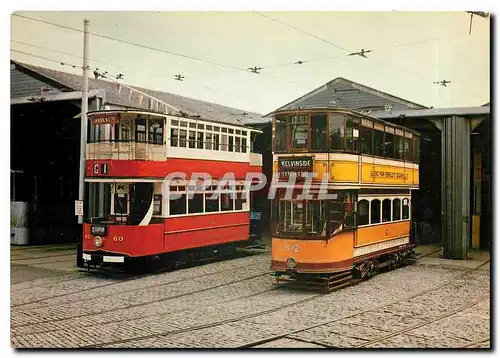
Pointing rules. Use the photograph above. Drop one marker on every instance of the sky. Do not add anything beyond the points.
(409, 51)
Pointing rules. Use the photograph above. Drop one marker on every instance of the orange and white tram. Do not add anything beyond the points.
(134, 211)
(368, 168)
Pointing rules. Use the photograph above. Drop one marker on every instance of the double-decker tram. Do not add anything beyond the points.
(347, 212)
(135, 208)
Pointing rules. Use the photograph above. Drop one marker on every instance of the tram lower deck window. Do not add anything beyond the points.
(375, 211)
(211, 204)
(178, 205)
(386, 210)
(406, 209)
(195, 204)
(364, 212)
(226, 202)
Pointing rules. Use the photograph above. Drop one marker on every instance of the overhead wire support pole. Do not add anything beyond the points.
(85, 104)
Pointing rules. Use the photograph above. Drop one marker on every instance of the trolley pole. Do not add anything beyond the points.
(83, 133)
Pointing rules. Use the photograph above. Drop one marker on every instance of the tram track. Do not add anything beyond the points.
(108, 275)
(400, 332)
(263, 273)
(253, 294)
(208, 325)
(24, 258)
(424, 292)
(477, 343)
(426, 323)
(262, 313)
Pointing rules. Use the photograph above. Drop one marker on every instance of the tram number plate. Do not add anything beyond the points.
(98, 230)
(292, 248)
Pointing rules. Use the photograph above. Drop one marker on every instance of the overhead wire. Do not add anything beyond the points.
(321, 59)
(129, 42)
(236, 69)
(100, 74)
(47, 59)
(153, 48)
(350, 53)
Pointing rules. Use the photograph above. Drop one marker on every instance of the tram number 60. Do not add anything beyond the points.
(292, 248)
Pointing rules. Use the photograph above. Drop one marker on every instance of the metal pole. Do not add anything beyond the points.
(85, 103)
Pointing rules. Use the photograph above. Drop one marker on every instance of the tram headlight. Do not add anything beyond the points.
(291, 263)
(98, 241)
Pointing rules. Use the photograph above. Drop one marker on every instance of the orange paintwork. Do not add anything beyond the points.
(416, 176)
(344, 171)
(376, 174)
(338, 248)
(377, 233)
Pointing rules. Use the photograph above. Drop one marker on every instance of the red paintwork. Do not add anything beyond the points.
(226, 228)
(137, 240)
(160, 169)
(176, 234)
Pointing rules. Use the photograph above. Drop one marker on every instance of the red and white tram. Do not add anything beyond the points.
(132, 211)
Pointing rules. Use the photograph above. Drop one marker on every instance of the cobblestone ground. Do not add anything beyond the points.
(234, 303)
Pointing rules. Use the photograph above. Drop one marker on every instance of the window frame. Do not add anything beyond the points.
(186, 192)
(382, 198)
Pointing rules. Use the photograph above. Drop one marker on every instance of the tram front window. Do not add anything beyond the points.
(315, 218)
(99, 199)
(290, 217)
(118, 203)
(310, 219)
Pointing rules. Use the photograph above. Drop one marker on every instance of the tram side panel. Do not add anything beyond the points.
(312, 256)
(189, 232)
(129, 240)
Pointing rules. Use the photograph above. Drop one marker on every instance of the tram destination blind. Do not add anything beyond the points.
(298, 165)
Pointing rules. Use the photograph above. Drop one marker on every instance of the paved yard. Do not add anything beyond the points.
(234, 303)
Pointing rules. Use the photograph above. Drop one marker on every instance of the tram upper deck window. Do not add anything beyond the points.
(416, 149)
(408, 151)
(398, 147)
(319, 132)
(243, 145)
(337, 131)
(352, 134)
(155, 132)
(378, 143)
(389, 145)
(298, 132)
(366, 140)
(140, 129)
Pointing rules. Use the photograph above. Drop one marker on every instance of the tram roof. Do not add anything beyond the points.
(121, 97)
(435, 112)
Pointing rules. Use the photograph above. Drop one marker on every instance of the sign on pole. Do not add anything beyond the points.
(79, 207)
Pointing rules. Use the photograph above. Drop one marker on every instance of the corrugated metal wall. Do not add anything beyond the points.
(455, 144)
